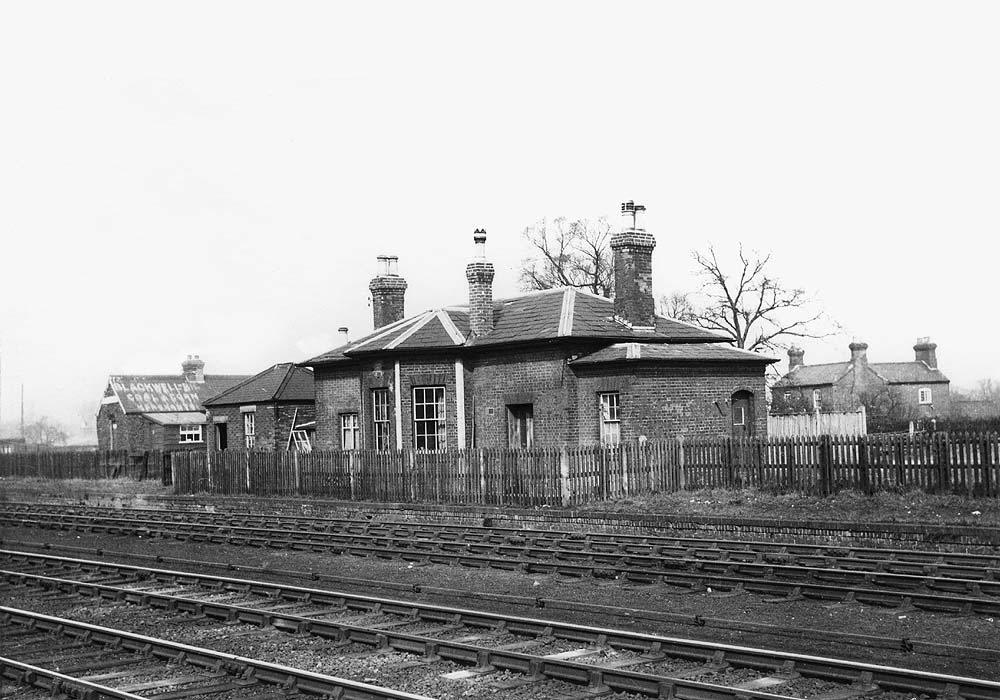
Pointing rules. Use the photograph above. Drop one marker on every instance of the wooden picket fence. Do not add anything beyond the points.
(968, 464)
(84, 464)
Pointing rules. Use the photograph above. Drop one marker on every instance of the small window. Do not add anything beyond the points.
(429, 418)
(739, 415)
(191, 433)
(350, 431)
(249, 425)
(788, 396)
(111, 434)
(924, 396)
(380, 418)
(610, 422)
(301, 440)
(817, 403)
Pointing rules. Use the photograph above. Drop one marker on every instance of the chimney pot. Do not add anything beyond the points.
(194, 369)
(343, 334)
(388, 290)
(859, 352)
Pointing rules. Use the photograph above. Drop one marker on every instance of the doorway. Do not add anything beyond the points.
(743, 418)
(221, 436)
(520, 426)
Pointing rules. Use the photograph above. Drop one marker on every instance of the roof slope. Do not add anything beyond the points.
(565, 312)
(915, 372)
(693, 352)
(158, 393)
(281, 382)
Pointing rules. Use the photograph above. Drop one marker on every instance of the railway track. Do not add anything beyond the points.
(974, 586)
(74, 659)
(538, 651)
(882, 560)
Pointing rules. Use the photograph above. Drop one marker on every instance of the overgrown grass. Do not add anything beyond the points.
(913, 506)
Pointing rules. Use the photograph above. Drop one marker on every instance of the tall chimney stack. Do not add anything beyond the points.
(632, 249)
(480, 273)
(925, 351)
(859, 352)
(796, 357)
(387, 289)
(194, 369)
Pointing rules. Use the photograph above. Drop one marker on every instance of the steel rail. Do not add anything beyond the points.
(59, 684)
(630, 544)
(261, 671)
(847, 672)
(886, 590)
(45, 564)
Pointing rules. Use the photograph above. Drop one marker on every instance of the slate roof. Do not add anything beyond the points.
(282, 382)
(536, 316)
(691, 352)
(892, 372)
(160, 393)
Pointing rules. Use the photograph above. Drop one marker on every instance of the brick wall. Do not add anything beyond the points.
(538, 377)
(667, 401)
(337, 391)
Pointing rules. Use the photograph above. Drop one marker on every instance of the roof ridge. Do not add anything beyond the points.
(238, 385)
(450, 327)
(289, 370)
(566, 313)
(392, 344)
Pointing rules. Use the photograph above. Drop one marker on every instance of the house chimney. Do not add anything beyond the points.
(796, 357)
(859, 352)
(480, 272)
(387, 289)
(344, 339)
(632, 249)
(194, 369)
(924, 351)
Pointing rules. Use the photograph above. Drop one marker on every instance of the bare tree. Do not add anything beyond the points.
(746, 303)
(569, 254)
(678, 305)
(45, 433)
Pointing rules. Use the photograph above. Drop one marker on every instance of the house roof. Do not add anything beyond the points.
(687, 352)
(281, 382)
(179, 418)
(160, 393)
(550, 314)
(915, 372)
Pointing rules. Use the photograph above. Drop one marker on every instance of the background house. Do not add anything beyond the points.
(893, 393)
(272, 410)
(550, 368)
(158, 412)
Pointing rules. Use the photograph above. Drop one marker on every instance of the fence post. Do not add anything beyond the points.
(681, 477)
(825, 465)
(866, 485)
(564, 484)
(623, 451)
(295, 461)
(730, 465)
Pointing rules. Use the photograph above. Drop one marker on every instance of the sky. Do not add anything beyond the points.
(219, 177)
